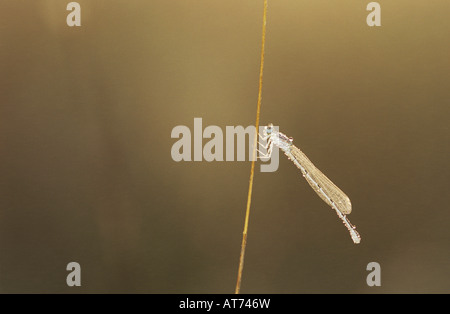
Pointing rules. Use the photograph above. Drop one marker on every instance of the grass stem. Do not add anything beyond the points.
(252, 171)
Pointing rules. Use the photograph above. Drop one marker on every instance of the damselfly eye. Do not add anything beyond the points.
(291, 140)
(269, 128)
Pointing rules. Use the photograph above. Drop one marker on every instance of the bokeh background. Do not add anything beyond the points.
(86, 173)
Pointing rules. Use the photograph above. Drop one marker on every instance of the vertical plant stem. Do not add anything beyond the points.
(252, 171)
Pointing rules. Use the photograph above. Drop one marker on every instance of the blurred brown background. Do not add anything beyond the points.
(86, 173)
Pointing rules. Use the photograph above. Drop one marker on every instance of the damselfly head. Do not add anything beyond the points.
(268, 129)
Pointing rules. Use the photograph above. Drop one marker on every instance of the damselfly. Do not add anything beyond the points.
(323, 186)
